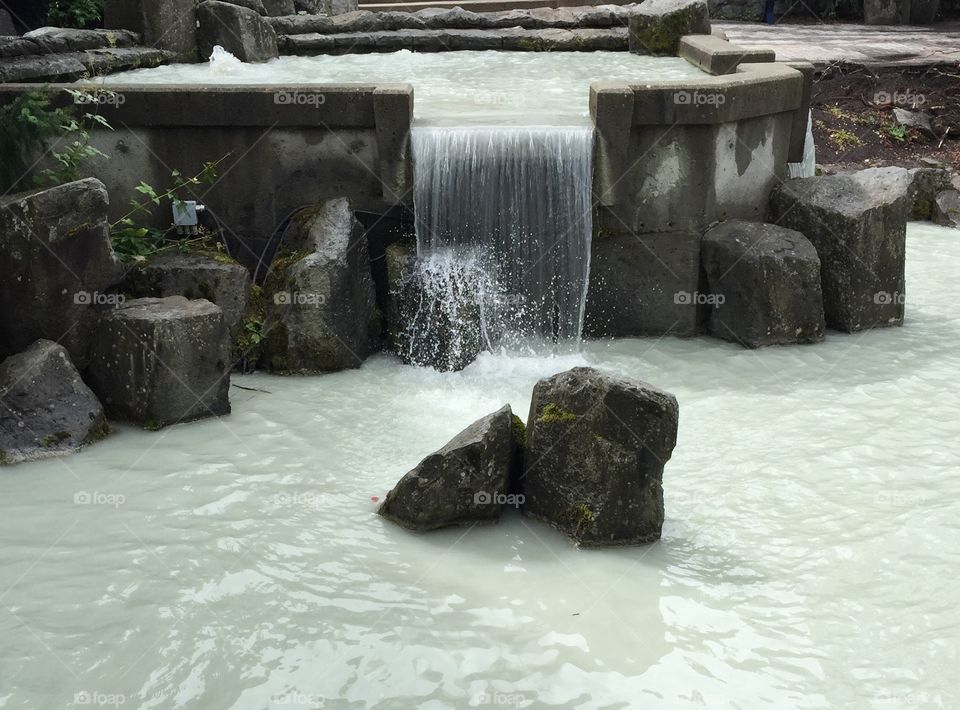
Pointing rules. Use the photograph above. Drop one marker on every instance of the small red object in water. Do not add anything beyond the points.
(374, 498)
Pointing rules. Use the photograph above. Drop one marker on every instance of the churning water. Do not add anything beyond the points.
(809, 556)
(514, 203)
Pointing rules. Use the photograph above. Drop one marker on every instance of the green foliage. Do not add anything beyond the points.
(74, 13)
(28, 125)
(133, 241)
(897, 132)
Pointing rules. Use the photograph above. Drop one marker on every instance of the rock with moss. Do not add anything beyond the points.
(160, 361)
(468, 481)
(433, 310)
(321, 312)
(195, 275)
(656, 26)
(58, 266)
(597, 444)
(45, 408)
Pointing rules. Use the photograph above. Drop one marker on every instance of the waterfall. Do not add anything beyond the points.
(513, 205)
(808, 167)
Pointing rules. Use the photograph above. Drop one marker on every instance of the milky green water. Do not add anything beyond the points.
(809, 556)
(455, 88)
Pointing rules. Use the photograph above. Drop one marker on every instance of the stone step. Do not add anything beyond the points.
(512, 39)
(477, 5)
(457, 18)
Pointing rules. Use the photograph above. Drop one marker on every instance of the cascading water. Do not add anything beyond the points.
(505, 212)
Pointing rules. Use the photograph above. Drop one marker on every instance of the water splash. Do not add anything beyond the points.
(222, 62)
(512, 204)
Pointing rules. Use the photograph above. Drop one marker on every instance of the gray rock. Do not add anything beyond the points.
(43, 68)
(280, 8)
(17, 47)
(656, 26)
(857, 222)
(886, 12)
(925, 185)
(213, 277)
(433, 313)
(466, 482)
(947, 209)
(170, 25)
(239, 30)
(923, 12)
(308, 6)
(98, 62)
(644, 284)
(322, 314)
(596, 447)
(338, 7)
(159, 361)
(764, 285)
(6, 25)
(256, 5)
(55, 39)
(45, 409)
(58, 264)
(455, 18)
(302, 25)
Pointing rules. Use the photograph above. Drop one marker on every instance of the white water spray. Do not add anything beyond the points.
(515, 202)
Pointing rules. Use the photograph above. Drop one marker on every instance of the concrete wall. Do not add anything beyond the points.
(282, 148)
(672, 159)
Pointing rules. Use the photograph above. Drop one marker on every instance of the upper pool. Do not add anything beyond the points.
(490, 87)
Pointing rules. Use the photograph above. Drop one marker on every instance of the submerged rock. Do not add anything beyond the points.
(946, 210)
(216, 278)
(45, 408)
(764, 283)
(434, 311)
(467, 481)
(239, 30)
(596, 447)
(58, 263)
(160, 361)
(321, 305)
(656, 26)
(858, 224)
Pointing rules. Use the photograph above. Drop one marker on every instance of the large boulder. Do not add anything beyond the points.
(214, 277)
(45, 408)
(467, 481)
(159, 361)
(946, 209)
(857, 222)
(764, 282)
(169, 25)
(596, 447)
(322, 313)
(58, 263)
(239, 30)
(433, 313)
(656, 26)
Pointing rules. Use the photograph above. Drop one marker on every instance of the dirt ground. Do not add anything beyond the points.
(854, 122)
